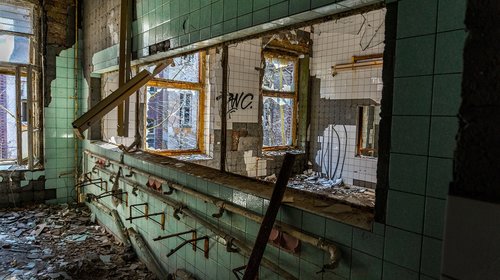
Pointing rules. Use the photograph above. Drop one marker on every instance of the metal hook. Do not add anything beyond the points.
(229, 246)
(176, 213)
(130, 174)
(220, 213)
(170, 191)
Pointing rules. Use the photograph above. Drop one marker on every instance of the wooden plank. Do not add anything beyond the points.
(122, 131)
(111, 101)
(29, 109)
(252, 269)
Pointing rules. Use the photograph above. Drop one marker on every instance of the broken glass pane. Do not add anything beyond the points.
(15, 18)
(279, 75)
(368, 129)
(172, 119)
(8, 127)
(184, 69)
(277, 120)
(14, 49)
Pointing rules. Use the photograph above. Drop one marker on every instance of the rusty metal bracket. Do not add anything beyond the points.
(206, 247)
(193, 231)
(94, 182)
(114, 194)
(146, 214)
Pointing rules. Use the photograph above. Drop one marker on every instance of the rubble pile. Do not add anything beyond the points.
(62, 242)
(315, 182)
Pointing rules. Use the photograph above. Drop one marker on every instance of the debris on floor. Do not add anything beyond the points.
(314, 182)
(61, 242)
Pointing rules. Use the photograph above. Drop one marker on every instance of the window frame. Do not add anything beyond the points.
(34, 98)
(199, 86)
(282, 94)
(360, 132)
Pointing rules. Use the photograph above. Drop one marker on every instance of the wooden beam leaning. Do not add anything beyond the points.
(114, 99)
(252, 268)
(122, 69)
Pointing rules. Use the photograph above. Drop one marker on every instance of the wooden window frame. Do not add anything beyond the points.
(199, 86)
(283, 94)
(30, 71)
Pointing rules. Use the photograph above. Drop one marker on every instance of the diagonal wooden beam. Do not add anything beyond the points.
(252, 268)
(114, 99)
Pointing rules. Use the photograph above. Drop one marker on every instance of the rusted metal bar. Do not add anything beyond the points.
(173, 235)
(206, 248)
(223, 116)
(268, 221)
(146, 214)
(109, 193)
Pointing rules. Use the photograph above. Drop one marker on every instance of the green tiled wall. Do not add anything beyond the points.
(430, 39)
(60, 163)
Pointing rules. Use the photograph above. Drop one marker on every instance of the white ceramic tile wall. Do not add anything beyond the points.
(109, 83)
(334, 43)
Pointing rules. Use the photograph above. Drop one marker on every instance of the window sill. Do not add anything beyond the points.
(281, 152)
(193, 157)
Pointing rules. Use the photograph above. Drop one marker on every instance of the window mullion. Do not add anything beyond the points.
(29, 96)
(19, 145)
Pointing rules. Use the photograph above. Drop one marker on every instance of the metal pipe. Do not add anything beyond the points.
(243, 247)
(313, 240)
(172, 251)
(147, 256)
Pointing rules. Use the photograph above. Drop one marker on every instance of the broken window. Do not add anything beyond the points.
(173, 100)
(279, 74)
(278, 90)
(368, 127)
(20, 115)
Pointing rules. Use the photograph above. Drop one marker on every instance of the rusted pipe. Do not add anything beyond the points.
(244, 249)
(315, 241)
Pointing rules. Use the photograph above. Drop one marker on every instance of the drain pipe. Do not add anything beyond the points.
(315, 241)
